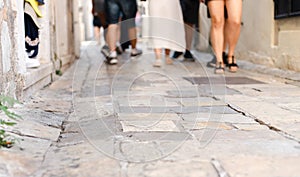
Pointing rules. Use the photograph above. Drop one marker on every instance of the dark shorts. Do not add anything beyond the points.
(98, 6)
(190, 11)
(114, 8)
(96, 21)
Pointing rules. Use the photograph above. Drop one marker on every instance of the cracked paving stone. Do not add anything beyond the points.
(186, 168)
(206, 125)
(250, 127)
(228, 118)
(132, 151)
(265, 166)
(43, 117)
(54, 105)
(146, 116)
(178, 109)
(149, 126)
(158, 136)
(34, 129)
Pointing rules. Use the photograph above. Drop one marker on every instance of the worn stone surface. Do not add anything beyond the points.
(152, 126)
(135, 120)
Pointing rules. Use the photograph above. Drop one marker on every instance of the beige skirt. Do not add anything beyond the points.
(166, 26)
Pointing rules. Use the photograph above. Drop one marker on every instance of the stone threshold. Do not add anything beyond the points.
(37, 78)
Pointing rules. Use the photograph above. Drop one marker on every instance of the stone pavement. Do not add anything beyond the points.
(133, 120)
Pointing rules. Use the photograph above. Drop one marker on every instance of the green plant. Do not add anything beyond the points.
(5, 103)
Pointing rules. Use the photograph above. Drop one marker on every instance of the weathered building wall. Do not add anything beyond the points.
(12, 63)
(263, 39)
(59, 45)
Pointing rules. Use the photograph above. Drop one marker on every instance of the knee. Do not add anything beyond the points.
(234, 22)
(217, 22)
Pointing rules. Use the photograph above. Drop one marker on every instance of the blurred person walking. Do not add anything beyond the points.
(114, 9)
(190, 11)
(166, 29)
(229, 32)
(99, 20)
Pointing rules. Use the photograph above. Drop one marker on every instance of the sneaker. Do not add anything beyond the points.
(212, 63)
(188, 56)
(136, 52)
(111, 61)
(112, 58)
(176, 54)
(32, 63)
(105, 50)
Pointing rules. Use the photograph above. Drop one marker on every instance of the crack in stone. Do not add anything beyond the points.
(25, 135)
(219, 168)
(258, 90)
(275, 129)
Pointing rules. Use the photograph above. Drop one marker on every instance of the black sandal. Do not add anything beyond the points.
(225, 58)
(219, 69)
(233, 66)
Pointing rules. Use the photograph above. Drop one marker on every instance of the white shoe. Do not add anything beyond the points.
(32, 63)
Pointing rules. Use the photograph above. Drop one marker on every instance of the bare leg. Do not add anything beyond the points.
(216, 9)
(102, 18)
(97, 34)
(169, 61)
(167, 52)
(158, 53)
(112, 37)
(233, 26)
(225, 43)
(188, 35)
(132, 37)
(157, 62)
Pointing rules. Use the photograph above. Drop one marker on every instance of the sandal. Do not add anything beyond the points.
(219, 68)
(157, 63)
(233, 66)
(169, 61)
(225, 58)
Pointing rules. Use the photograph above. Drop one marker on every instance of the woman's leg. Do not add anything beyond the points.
(233, 25)
(169, 61)
(216, 9)
(157, 62)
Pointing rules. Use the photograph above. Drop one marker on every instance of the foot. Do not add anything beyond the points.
(219, 69)
(233, 67)
(169, 61)
(176, 54)
(112, 58)
(212, 63)
(225, 58)
(188, 56)
(119, 50)
(136, 52)
(157, 63)
(105, 50)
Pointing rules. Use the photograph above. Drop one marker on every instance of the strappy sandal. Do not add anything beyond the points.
(233, 66)
(225, 58)
(219, 69)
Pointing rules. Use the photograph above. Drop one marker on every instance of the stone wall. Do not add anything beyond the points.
(59, 45)
(11, 48)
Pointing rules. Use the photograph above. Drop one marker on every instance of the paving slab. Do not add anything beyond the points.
(228, 118)
(149, 126)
